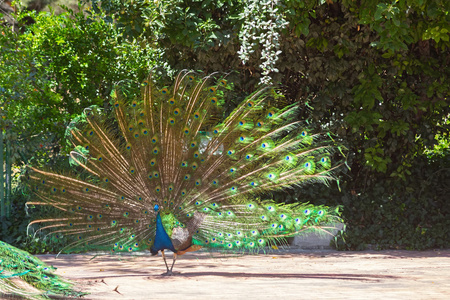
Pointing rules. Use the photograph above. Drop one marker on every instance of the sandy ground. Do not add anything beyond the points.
(293, 274)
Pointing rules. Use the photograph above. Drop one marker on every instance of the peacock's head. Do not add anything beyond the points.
(156, 208)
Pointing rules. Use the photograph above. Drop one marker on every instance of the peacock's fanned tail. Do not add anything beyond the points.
(170, 148)
(16, 263)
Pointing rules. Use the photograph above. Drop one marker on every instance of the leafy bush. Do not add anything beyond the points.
(410, 215)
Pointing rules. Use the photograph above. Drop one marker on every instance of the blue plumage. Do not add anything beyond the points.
(162, 239)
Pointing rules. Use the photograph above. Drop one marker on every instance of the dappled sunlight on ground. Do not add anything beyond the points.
(289, 274)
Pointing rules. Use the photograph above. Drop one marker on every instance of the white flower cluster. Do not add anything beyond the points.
(262, 26)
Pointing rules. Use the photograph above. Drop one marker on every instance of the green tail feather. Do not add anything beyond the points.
(169, 148)
(18, 263)
(253, 225)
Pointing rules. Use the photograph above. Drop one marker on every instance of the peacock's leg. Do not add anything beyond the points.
(169, 271)
(164, 257)
(174, 260)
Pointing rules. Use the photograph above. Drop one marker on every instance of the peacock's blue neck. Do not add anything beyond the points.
(162, 239)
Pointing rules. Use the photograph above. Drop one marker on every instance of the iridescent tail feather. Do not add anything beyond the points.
(169, 149)
(22, 274)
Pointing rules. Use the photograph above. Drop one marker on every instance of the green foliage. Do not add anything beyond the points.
(85, 56)
(59, 66)
(25, 100)
(401, 23)
(196, 24)
(412, 215)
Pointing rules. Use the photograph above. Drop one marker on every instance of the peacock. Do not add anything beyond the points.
(16, 263)
(170, 169)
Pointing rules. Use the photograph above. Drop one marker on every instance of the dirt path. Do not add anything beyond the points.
(295, 274)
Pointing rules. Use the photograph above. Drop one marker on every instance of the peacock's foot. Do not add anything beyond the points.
(168, 273)
(171, 273)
